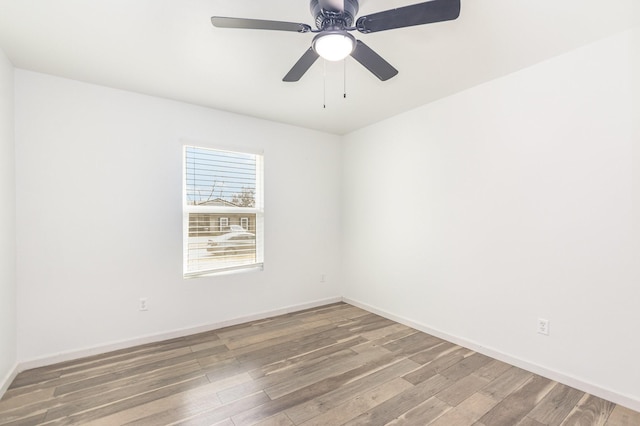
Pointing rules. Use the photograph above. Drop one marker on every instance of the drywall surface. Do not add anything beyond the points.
(515, 200)
(99, 192)
(8, 318)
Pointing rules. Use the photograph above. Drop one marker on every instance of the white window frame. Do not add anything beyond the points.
(244, 222)
(257, 210)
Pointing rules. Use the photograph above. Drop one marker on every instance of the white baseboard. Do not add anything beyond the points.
(152, 338)
(6, 381)
(557, 376)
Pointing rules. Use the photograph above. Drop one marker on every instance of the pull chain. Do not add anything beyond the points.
(344, 77)
(324, 84)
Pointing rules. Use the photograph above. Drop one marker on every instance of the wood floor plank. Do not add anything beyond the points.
(436, 351)
(555, 407)
(337, 396)
(622, 416)
(292, 345)
(174, 407)
(517, 405)
(366, 323)
(528, 421)
(477, 405)
(74, 413)
(88, 366)
(312, 391)
(590, 410)
(412, 344)
(462, 389)
(350, 366)
(492, 370)
(225, 422)
(402, 403)
(310, 356)
(467, 413)
(252, 339)
(446, 359)
(226, 367)
(359, 403)
(184, 404)
(422, 414)
(95, 366)
(466, 366)
(258, 328)
(13, 402)
(383, 332)
(454, 417)
(273, 345)
(107, 393)
(114, 376)
(208, 417)
(337, 316)
(294, 380)
(506, 383)
(279, 419)
(397, 335)
(328, 365)
(35, 418)
(27, 379)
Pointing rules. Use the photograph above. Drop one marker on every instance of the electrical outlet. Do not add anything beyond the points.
(323, 278)
(543, 326)
(142, 304)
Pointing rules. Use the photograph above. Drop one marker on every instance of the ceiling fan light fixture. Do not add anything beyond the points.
(335, 18)
(334, 46)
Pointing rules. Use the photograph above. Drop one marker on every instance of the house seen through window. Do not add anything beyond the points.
(222, 211)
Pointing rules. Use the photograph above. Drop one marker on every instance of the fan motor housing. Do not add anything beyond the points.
(325, 18)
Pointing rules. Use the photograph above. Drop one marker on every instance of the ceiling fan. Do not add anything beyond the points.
(335, 18)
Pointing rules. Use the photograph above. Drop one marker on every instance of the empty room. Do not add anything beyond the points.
(320, 212)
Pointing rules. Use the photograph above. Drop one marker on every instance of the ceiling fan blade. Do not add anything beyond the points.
(417, 14)
(301, 67)
(373, 62)
(258, 24)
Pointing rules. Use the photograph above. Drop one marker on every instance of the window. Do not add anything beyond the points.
(222, 211)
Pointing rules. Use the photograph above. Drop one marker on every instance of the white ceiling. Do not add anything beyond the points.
(169, 48)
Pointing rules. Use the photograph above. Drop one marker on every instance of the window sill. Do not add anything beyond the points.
(227, 271)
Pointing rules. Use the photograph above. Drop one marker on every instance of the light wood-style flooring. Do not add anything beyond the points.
(331, 365)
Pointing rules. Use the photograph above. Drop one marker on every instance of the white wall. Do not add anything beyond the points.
(99, 217)
(8, 318)
(518, 199)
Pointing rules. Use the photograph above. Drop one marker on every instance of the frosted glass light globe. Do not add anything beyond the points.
(334, 46)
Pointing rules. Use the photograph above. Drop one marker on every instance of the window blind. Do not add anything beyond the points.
(222, 211)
